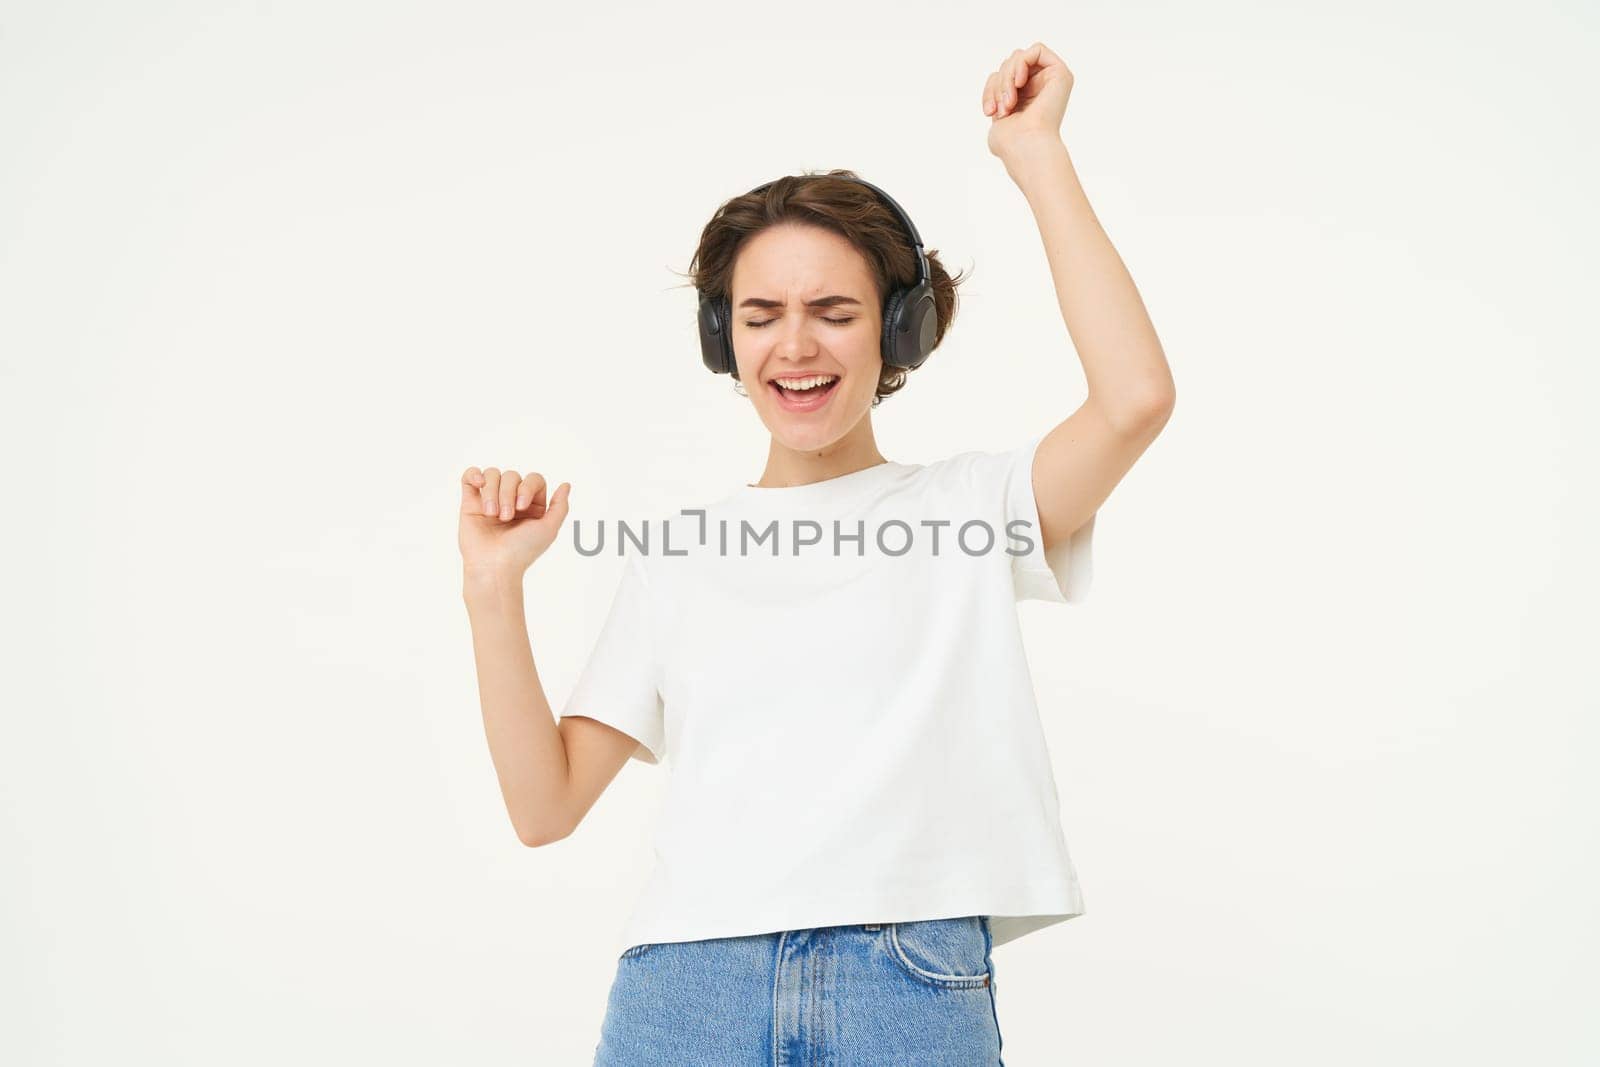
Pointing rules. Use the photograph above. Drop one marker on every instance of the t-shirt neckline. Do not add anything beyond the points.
(826, 489)
(823, 484)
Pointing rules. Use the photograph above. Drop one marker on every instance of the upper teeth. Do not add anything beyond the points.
(805, 383)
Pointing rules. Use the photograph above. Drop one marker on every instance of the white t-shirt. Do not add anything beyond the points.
(851, 736)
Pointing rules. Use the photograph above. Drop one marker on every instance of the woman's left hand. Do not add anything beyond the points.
(1027, 98)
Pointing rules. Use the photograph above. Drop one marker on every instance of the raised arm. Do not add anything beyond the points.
(1130, 388)
(550, 774)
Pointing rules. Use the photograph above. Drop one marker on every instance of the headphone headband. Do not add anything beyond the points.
(893, 205)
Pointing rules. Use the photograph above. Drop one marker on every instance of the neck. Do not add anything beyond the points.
(854, 451)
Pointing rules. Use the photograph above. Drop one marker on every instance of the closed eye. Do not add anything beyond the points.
(768, 322)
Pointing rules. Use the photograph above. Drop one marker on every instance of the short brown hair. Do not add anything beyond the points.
(847, 208)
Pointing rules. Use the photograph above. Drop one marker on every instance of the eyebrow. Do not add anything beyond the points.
(819, 302)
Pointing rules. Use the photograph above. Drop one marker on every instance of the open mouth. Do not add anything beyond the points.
(804, 394)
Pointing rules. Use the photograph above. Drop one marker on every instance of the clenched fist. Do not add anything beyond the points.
(1027, 98)
(505, 522)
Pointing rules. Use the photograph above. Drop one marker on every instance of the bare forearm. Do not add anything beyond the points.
(1123, 362)
(529, 756)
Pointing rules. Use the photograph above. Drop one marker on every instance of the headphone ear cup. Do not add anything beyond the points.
(891, 322)
(910, 324)
(715, 350)
(725, 317)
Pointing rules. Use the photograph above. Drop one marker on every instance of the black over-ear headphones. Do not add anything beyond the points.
(910, 321)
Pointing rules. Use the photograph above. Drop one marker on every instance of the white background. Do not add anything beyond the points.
(273, 275)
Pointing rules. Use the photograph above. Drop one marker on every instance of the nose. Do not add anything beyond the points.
(795, 337)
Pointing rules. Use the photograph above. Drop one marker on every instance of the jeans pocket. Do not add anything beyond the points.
(945, 953)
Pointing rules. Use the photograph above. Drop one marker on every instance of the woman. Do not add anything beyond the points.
(861, 805)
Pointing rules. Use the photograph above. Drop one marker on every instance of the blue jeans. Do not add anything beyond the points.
(876, 993)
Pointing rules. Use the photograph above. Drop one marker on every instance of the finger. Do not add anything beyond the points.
(1008, 83)
(1040, 56)
(1026, 61)
(556, 513)
(471, 479)
(532, 489)
(491, 490)
(991, 87)
(509, 481)
(1007, 79)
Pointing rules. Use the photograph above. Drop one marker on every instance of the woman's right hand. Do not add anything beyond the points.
(505, 522)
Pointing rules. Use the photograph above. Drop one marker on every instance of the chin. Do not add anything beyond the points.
(804, 442)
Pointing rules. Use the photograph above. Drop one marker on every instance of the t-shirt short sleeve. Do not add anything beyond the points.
(619, 684)
(1062, 575)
